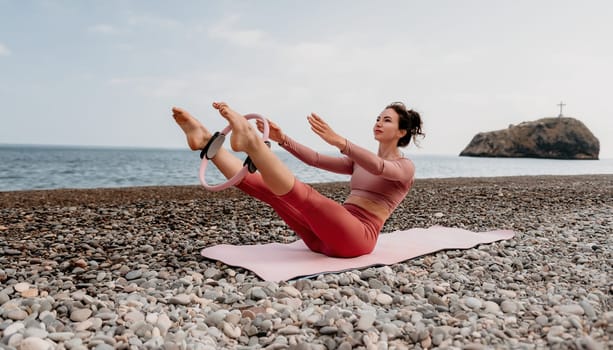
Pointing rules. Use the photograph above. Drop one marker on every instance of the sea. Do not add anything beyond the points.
(34, 167)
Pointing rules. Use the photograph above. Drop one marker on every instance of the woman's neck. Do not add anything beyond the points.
(388, 151)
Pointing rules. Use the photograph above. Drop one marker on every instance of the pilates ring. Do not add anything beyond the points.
(213, 146)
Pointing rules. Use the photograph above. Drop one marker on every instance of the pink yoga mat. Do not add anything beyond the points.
(282, 262)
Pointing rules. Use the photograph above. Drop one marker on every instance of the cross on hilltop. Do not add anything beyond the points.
(561, 104)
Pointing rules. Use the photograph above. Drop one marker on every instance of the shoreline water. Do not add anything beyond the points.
(26, 168)
(117, 195)
(121, 267)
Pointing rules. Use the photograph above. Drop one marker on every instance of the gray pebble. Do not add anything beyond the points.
(3, 298)
(289, 330)
(491, 307)
(35, 332)
(509, 306)
(473, 303)
(574, 309)
(16, 315)
(231, 330)
(588, 309)
(542, 320)
(367, 318)
(384, 299)
(140, 280)
(13, 328)
(588, 343)
(180, 299)
(79, 315)
(257, 293)
(34, 343)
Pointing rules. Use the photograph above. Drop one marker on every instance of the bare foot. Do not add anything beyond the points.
(243, 136)
(197, 134)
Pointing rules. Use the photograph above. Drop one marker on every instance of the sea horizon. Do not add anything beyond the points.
(34, 167)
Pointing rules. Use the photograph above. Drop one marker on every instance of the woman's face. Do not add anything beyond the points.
(386, 127)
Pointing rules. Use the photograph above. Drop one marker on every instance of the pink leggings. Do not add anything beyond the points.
(325, 226)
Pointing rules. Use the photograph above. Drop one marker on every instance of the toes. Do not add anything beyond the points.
(219, 105)
(224, 111)
(178, 112)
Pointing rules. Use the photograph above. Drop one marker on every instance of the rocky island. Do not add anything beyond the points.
(558, 138)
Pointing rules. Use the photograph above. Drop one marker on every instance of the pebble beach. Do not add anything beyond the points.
(121, 269)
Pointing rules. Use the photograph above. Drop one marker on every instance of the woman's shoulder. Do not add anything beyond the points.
(407, 163)
(405, 160)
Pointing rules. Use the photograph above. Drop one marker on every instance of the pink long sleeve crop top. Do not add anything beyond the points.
(382, 181)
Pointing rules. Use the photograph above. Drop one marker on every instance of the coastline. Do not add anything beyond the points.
(134, 254)
(125, 195)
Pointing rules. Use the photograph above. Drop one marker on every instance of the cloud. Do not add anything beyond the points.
(158, 87)
(152, 21)
(224, 30)
(102, 29)
(4, 51)
(136, 23)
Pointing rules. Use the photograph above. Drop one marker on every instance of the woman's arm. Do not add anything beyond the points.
(399, 170)
(340, 165)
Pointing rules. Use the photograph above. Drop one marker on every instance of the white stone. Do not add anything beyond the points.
(507, 293)
(35, 344)
(574, 309)
(61, 336)
(367, 318)
(35, 332)
(21, 287)
(82, 326)
(15, 340)
(231, 331)
(291, 291)
(164, 323)
(180, 299)
(509, 306)
(133, 316)
(289, 330)
(473, 303)
(384, 299)
(13, 328)
(151, 317)
(491, 307)
(16, 315)
(79, 315)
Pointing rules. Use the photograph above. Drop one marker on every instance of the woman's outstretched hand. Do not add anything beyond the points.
(275, 133)
(321, 128)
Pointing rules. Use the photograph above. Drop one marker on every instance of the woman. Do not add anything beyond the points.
(379, 182)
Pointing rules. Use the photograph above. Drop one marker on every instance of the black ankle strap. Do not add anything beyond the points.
(249, 163)
(210, 150)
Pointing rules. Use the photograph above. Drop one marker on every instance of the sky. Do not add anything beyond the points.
(107, 73)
